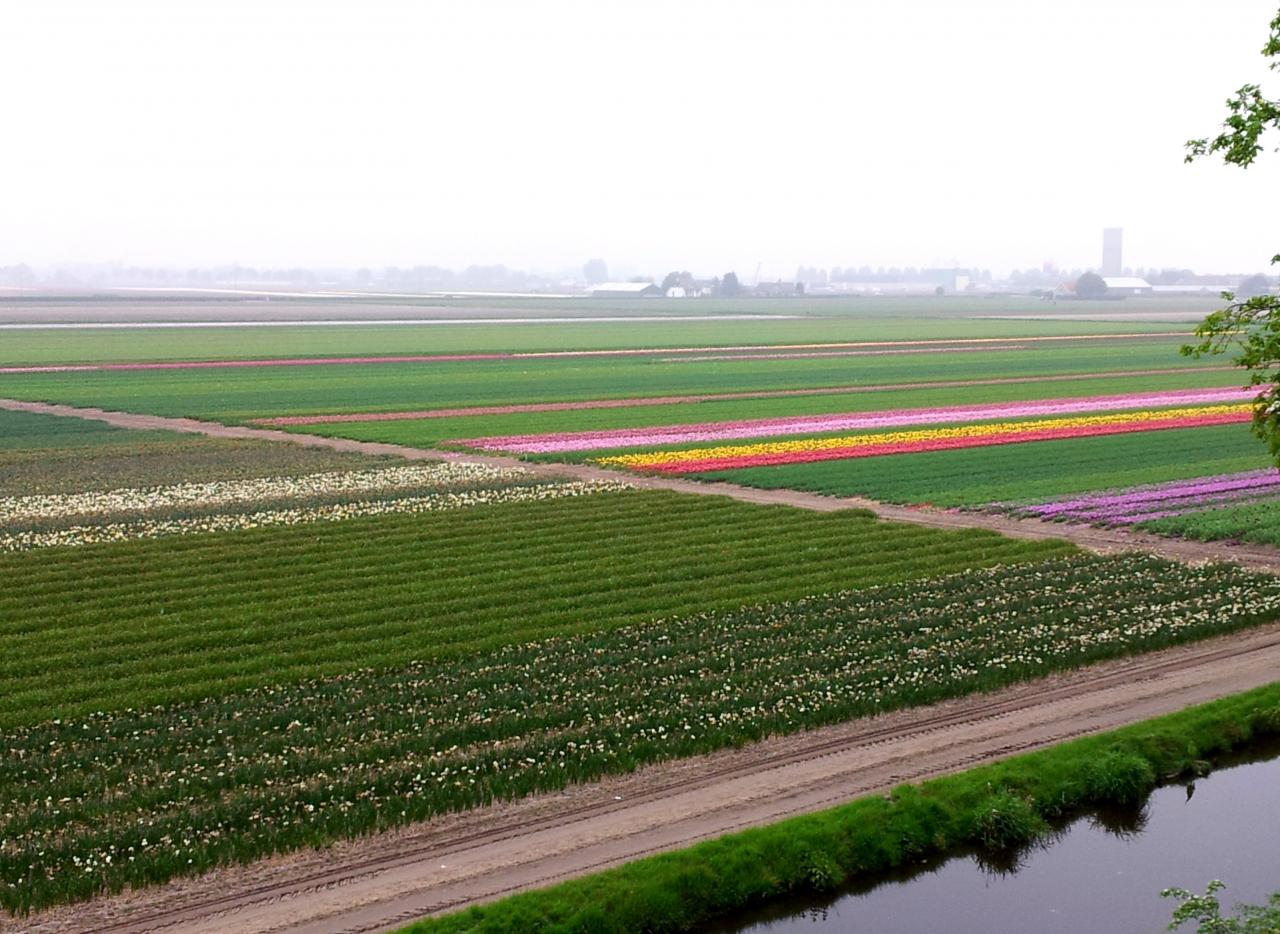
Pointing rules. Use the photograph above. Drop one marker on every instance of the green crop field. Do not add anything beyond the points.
(201, 614)
(248, 772)
(285, 646)
(684, 386)
(24, 431)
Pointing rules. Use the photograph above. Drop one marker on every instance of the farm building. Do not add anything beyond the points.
(625, 290)
(1120, 286)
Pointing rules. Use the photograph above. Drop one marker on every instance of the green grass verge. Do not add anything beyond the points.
(1019, 472)
(996, 807)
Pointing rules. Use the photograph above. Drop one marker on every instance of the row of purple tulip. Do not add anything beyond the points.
(1158, 501)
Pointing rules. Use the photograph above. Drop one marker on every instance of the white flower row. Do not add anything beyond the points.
(433, 502)
(217, 493)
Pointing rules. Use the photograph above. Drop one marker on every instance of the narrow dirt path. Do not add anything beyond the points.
(379, 882)
(1100, 540)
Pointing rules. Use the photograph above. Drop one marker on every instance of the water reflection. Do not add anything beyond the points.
(1101, 873)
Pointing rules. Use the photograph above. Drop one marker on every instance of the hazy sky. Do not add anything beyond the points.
(703, 135)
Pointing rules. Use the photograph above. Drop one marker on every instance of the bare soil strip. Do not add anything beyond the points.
(378, 882)
(1100, 540)
(640, 401)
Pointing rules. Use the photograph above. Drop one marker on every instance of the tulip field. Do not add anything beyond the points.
(146, 794)
(179, 619)
(1161, 501)
(186, 616)
(811, 425)
(212, 650)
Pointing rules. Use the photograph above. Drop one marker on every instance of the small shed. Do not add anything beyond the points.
(625, 290)
(1119, 286)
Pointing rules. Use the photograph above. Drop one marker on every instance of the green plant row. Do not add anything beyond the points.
(20, 431)
(995, 808)
(189, 617)
(140, 796)
(1251, 522)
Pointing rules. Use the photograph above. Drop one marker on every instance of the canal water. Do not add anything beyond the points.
(1101, 873)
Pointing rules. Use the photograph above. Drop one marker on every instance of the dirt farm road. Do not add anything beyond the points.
(1259, 557)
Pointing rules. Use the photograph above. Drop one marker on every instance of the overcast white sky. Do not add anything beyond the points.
(695, 134)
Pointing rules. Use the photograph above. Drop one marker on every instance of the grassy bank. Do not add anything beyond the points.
(997, 808)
